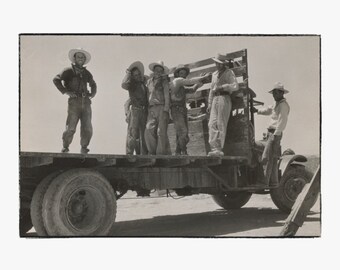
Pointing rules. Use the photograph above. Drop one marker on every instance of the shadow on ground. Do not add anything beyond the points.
(207, 224)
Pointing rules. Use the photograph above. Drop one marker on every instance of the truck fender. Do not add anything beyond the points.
(286, 160)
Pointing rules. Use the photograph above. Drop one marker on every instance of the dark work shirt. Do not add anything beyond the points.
(75, 79)
(137, 91)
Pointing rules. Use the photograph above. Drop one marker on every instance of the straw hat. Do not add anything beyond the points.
(139, 65)
(72, 53)
(220, 58)
(179, 68)
(159, 63)
(279, 86)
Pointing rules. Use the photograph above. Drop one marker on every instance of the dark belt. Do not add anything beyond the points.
(82, 95)
(221, 94)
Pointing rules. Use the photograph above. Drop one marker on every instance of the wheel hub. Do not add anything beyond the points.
(294, 187)
(81, 211)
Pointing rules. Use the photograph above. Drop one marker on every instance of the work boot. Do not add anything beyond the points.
(84, 150)
(65, 150)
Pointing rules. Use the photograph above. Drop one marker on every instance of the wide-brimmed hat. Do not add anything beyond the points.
(220, 58)
(139, 65)
(279, 86)
(179, 68)
(159, 63)
(72, 52)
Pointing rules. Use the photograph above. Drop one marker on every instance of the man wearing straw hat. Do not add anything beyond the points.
(135, 82)
(156, 136)
(279, 118)
(223, 84)
(73, 82)
(178, 90)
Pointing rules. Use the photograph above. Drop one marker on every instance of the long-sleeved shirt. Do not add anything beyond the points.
(137, 91)
(178, 91)
(158, 92)
(279, 115)
(75, 79)
(225, 80)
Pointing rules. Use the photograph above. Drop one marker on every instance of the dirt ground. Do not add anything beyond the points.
(200, 216)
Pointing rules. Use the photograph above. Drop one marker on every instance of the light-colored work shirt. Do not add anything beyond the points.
(158, 92)
(226, 80)
(279, 115)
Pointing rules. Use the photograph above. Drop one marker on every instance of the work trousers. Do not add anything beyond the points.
(156, 136)
(136, 127)
(79, 108)
(270, 158)
(180, 119)
(218, 121)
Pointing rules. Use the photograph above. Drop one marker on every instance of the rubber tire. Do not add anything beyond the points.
(37, 202)
(25, 222)
(232, 200)
(278, 195)
(55, 204)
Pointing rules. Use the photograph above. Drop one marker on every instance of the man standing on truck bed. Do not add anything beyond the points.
(135, 82)
(156, 132)
(178, 104)
(127, 109)
(223, 84)
(279, 117)
(73, 81)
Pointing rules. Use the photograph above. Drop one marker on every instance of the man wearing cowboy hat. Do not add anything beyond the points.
(73, 82)
(223, 84)
(178, 90)
(156, 135)
(135, 82)
(279, 117)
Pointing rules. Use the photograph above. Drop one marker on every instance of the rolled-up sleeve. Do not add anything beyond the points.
(265, 111)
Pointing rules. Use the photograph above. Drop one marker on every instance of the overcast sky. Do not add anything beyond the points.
(294, 61)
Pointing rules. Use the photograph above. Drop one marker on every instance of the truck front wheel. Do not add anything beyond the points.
(79, 202)
(232, 200)
(291, 184)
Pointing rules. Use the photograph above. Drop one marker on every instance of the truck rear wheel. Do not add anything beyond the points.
(291, 184)
(37, 201)
(79, 202)
(232, 200)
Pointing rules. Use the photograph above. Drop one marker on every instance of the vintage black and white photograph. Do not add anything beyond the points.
(182, 135)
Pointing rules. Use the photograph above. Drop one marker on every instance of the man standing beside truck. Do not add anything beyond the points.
(135, 82)
(279, 118)
(73, 82)
(223, 84)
